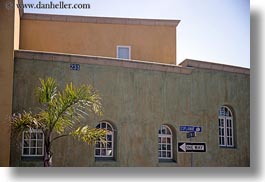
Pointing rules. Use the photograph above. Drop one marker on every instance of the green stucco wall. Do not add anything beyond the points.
(137, 102)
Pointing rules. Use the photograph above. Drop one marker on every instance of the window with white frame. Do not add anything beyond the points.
(124, 52)
(165, 143)
(226, 134)
(32, 143)
(105, 149)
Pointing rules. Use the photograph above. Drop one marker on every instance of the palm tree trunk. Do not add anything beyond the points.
(47, 154)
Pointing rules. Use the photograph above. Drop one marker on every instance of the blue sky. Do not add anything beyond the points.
(210, 30)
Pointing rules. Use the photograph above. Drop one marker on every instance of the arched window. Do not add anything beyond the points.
(105, 149)
(165, 143)
(226, 133)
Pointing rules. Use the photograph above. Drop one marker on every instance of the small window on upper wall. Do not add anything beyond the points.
(124, 52)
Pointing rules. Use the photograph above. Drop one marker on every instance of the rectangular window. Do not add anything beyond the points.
(124, 52)
(32, 143)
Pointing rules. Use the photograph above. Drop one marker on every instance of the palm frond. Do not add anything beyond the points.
(89, 135)
(61, 111)
(26, 120)
(47, 91)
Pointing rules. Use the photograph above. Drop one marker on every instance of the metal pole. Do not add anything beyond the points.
(191, 158)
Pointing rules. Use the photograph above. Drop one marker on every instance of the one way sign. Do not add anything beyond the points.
(191, 147)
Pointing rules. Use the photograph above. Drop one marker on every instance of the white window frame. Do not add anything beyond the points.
(166, 136)
(36, 131)
(123, 46)
(226, 130)
(105, 146)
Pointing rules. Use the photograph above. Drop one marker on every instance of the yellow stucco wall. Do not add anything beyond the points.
(148, 42)
(9, 39)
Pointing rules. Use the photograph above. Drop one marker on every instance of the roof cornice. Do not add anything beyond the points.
(98, 60)
(100, 20)
(214, 66)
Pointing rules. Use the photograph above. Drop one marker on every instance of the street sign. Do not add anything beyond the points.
(191, 147)
(191, 134)
(190, 128)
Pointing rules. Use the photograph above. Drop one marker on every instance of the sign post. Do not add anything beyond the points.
(189, 146)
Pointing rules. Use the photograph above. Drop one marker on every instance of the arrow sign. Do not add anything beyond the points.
(191, 147)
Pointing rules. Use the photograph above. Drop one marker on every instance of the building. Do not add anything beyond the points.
(147, 98)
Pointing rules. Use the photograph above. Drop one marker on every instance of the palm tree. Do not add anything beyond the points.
(60, 115)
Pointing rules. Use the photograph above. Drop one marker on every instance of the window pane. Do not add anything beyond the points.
(222, 111)
(109, 127)
(103, 125)
(123, 52)
(97, 151)
(102, 145)
(39, 143)
(163, 131)
(33, 135)
(168, 131)
(168, 147)
(159, 139)
(164, 154)
(164, 140)
(103, 152)
(26, 143)
(168, 140)
(97, 144)
(109, 137)
(39, 135)
(32, 151)
(39, 151)
(168, 154)
(159, 147)
(228, 141)
(109, 153)
(109, 145)
(164, 147)
(159, 154)
(26, 151)
(33, 143)
(26, 135)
